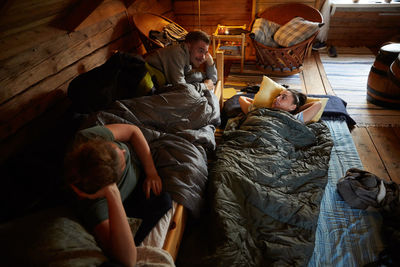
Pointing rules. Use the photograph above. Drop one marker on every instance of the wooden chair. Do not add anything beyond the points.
(285, 61)
(145, 22)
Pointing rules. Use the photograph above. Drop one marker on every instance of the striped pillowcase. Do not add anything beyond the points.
(296, 31)
(263, 31)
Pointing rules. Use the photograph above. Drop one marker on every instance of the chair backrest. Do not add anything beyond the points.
(283, 13)
(145, 22)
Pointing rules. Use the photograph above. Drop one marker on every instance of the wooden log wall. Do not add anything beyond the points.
(261, 5)
(212, 13)
(364, 27)
(40, 54)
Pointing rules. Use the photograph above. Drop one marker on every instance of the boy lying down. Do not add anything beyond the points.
(100, 171)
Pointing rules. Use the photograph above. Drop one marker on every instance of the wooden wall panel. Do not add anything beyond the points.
(261, 5)
(87, 13)
(161, 7)
(21, 15)
(39, 58)
(27, 68)
(47, 99)
(212, 13)
(363, 28)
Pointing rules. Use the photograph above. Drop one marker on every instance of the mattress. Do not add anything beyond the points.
(344, 236)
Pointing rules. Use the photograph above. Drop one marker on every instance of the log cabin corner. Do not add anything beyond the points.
(46, 44)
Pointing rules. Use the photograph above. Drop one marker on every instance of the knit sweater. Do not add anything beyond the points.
(174, 62)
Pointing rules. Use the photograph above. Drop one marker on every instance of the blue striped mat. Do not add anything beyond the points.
(345, 236)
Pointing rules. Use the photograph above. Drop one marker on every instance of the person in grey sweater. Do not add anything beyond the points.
(180, 62)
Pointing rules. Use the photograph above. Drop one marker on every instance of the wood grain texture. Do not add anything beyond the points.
(26, 107)
(363, 28)
(54, 57)
(175, 233)
(388, 146)
(313, 83)
(368, 153)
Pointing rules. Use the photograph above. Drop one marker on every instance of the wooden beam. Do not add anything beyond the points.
(175, 232)
(80, 12)
(253, 9)
(87, 13)
(219, 90)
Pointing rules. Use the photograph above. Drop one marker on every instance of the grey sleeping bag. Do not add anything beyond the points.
(265, 191)
(179, 126)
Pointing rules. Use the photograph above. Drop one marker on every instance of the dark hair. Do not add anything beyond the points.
(197, 35)
(299, 99)
(92, 164)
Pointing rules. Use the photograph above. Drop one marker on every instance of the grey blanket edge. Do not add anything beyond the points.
(245, 230)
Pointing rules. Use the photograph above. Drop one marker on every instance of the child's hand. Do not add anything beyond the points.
(101, 193)
(154, 183)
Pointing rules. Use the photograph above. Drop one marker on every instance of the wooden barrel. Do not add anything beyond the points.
(395, 71)
(382, 89)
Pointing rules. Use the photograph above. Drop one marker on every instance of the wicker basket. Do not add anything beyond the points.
(285, 61)
(145, 22)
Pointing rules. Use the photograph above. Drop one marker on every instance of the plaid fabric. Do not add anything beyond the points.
(344, 236)
(263, 31)
(295, 31)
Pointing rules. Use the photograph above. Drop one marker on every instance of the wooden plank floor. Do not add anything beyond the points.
(378, 147)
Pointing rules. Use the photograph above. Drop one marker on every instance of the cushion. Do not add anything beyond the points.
(51, 237)
(267, 93)
(263, 31)
(296, 31)
(336, 109)
(324, 101)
